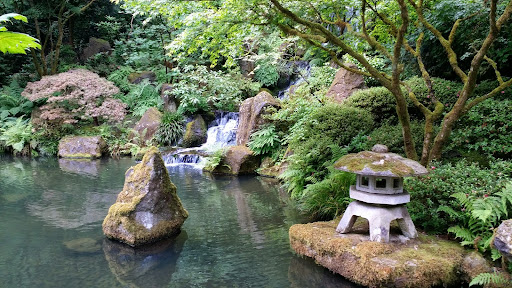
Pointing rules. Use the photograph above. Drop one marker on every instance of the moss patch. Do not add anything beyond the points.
(422, 262)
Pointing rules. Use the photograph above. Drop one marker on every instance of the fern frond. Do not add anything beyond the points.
(448, 210)
(462, 233)
(489, 278)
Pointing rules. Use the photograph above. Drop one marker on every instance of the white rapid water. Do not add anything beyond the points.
(221, 133)
(301, 71)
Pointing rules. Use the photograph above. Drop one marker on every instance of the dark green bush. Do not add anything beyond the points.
(485, 129)
(430, 192)
(391, 136)
(317, 140)
(171, 129)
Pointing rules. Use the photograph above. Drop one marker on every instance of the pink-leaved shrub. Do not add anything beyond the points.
(76, 95)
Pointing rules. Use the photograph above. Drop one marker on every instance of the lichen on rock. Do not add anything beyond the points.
(82, 147)
(148, 209)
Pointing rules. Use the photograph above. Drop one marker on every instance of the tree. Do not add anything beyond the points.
(76, 95)
(14, 42)
(392, 29)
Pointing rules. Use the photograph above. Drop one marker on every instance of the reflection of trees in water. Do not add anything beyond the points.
(304, 270)
(73, 200)
(147, 266)
(15, 179)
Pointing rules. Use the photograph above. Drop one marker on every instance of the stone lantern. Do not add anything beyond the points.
(379, 191)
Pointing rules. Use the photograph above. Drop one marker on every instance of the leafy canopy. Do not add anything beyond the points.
(14, 42)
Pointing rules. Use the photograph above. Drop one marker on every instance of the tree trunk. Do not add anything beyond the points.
(405, 121)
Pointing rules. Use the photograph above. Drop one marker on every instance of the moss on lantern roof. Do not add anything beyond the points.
(380, 164)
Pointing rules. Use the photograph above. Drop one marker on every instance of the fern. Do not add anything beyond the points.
(484, 279)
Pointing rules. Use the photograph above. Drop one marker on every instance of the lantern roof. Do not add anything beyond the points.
(379, 162)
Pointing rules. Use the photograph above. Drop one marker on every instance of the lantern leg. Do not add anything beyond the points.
(406, 224)
(348, 219)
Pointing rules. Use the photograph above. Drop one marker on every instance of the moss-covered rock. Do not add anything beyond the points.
(237, 160)
(148, 124)
(82, 147)
(195, 132)
(422, 262)
(148, 209)
(94, 47)
(137, 77)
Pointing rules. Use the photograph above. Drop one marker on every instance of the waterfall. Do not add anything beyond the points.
(221, 133)
(301, 71)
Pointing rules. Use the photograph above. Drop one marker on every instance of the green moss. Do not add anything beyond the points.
(366, 159)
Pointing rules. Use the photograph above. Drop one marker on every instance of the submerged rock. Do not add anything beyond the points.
(251, 112)
(83, 245)
(422, 262)
(77, 147)
(148, 209)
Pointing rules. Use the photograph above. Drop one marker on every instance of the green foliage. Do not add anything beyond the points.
(391, 135)
(485, 279)
(430, 192)
(120, 78)
(110, 28)
(479, 216)
(485, 129)
(201, 90)
(12, 104)
(267, 71)
(265, 141)
(16, 133)
(317, 83)
(170, 129)
(318, 139)
(142, 97)
(329, 197)
(13, 42)
(214, 159)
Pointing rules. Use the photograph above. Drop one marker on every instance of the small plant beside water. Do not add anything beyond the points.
(265, 141)
(170, 130)
(16, 133)
(215, 159)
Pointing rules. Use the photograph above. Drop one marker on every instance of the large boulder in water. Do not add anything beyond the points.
(238, 160)
(148, 209)
(82, 147)
(251, 112)
(344, 84)
(195, 133)
(503, 239)
(148, 124)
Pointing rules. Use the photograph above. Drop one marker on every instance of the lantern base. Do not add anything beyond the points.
(379, 218)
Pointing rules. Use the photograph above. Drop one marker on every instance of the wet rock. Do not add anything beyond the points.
(503, 239)
(148, 124)
(146, 266)
(422, 262)
(269, 168)
(94, 47)
(170, 102)
(344, 84)
(83, 245)
(148, 209)
(77, 147)
(238, 160)
(137, 77)
(251, 112)
(195, 132)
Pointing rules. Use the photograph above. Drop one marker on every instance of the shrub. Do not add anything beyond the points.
(266, 71)
(120, 78)
(391, 136)
(485, 129)
(12, 104)
(430, 192)
(142, 97)
(76, 95)
(317, 140)
(16, 133)
(170, 129)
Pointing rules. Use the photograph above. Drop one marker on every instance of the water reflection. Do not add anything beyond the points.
(85, 167)
(147, 266)
(304, 270)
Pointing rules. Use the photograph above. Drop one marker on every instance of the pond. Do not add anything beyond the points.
(236, 235)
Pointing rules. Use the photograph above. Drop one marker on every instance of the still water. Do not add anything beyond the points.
(236, 235)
